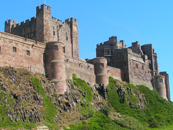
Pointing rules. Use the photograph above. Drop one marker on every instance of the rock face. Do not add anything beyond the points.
(24, 102)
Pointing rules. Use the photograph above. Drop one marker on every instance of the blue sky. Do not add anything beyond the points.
(148, 21)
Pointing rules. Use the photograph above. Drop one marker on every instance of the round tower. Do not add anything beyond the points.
(100, 68)
(160, 85)
(55, 66)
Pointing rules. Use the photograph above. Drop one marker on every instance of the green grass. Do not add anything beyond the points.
(50, 108)
(84, 87)
(98, 122)
(158, 111)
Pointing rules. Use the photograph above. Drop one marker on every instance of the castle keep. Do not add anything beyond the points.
(49, 46)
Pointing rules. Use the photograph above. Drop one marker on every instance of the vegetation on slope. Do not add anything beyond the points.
(157, 111)
(28, 100)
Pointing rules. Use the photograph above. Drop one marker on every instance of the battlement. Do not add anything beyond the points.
(69, 20)
(16, 24)
(135, 43)
(43, 7)
(55, 19)
(10, 21)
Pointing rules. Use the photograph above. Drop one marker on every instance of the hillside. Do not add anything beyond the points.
(29, 100)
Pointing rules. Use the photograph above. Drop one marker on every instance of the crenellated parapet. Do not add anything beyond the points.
(43, 7)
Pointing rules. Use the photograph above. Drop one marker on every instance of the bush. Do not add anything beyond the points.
(105, 110)
(153, 122)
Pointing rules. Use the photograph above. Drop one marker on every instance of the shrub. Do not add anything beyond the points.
(105, 110)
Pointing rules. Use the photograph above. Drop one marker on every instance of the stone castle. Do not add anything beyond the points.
(49, 46)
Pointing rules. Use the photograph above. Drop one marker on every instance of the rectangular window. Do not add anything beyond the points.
(54, 33)
(161, 80)
(101, 65)
(136, 65)
(28, 53)
(142, 67)
(55, 48)
(14, 49)
(64, 49)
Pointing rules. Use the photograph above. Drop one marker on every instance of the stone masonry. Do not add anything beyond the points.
(49, 46)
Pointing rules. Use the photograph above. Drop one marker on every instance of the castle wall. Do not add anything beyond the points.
(81, 68)
(19, 52)
(116, 73)
(64, 36)
(139, 72)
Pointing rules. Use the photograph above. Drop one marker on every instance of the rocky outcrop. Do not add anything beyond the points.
(24, 102)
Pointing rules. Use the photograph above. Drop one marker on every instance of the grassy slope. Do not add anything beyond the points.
(157, 113)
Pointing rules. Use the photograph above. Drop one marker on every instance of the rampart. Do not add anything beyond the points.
(81, 68)
(116, 73)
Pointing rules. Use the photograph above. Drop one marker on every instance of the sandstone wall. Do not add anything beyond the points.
(139, 72)
(28, 55)
(116, 73)
(81, 68)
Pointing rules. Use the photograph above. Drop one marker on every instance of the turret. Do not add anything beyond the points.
(9, 24)
(43, 27)
(160, 85)
(100, 68)
(74, 37)
(55, 66)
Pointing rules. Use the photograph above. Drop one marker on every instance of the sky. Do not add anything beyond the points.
(148, 21)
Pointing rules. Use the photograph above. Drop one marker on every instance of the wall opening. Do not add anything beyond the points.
(142, 67)
(64, 49)
(101, 65)
(54, 33)
(161, 80)
(136, 65)
(55, 48)
(14, 49)
(28, 53)
(66, 38)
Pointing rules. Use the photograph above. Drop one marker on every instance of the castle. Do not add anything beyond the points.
(49, 46)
